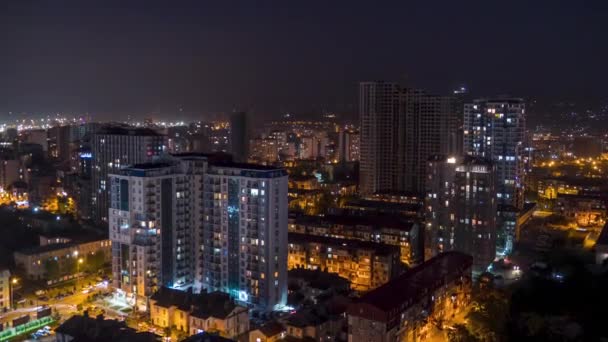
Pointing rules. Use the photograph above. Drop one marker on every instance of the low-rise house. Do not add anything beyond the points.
(309, 284)
(269, 332)
(365, 264)
(325, 321)
(52, 260)
(191, 313)
(402, 309)
(207, 337)
(87, 329)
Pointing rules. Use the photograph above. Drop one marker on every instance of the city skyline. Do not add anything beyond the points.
(195, 171)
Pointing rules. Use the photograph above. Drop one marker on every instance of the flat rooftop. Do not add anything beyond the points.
(380, 221)
(352, 244)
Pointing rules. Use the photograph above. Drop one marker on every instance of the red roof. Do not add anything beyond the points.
(404, 291)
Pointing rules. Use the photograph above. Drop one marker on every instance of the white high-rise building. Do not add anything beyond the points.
(152, 226)
(201, 221)
(244, 239)
(495, 129)
(113, 148)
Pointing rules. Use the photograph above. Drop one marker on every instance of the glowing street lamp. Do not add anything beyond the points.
(13, 282)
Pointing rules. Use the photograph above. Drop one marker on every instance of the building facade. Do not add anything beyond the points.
(244, 239)
(405, 308)
(239, 136)
(385, 229)
(400, 129)
(378, 114)
(151, 206)
(201, 221)
(461, 208)
(52, 260)
(193, 313)
(114, 148)
(366, 265)
(5, 290)
(495, 129)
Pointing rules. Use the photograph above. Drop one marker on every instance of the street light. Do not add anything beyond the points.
(13, 282)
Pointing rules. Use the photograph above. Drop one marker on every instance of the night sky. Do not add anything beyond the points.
(140, 57)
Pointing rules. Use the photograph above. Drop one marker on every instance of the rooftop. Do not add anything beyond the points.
(247, 166)
(318, 279)
(85, 328)
(207, 337)
(149, 166)
(203, 305)
(380, 221)
(271, 329)
(380, 205)
(413, 284)
(378, 248)
(56, 246)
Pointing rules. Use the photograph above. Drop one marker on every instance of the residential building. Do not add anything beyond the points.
(59, 143)
(348, 145)
(98, 329)
(264, 151)
(11, 171)
(239, 135)
(407, 307)
(244, 242)
(495, 129)
(400, 129)
(39, 137)
(114, 148)
(151, 211)
(427, 124)
(324, 321)
(312, 285)
(461, 208)
(386, 229)
(269, 332)
(378, 115)
(203, 221)
(5, 290)
(58, 260)
(366, 265)
(191, 313)
(207, 337)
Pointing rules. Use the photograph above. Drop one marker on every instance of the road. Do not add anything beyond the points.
(66, 306)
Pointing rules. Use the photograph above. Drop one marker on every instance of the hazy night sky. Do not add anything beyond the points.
(140, 57)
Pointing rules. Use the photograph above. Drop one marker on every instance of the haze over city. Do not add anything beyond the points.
(196, 58)
(288, 171)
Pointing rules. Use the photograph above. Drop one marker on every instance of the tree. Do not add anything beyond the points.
(461, 334)
(488, 317)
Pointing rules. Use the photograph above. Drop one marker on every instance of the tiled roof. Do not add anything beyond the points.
(410, 286)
